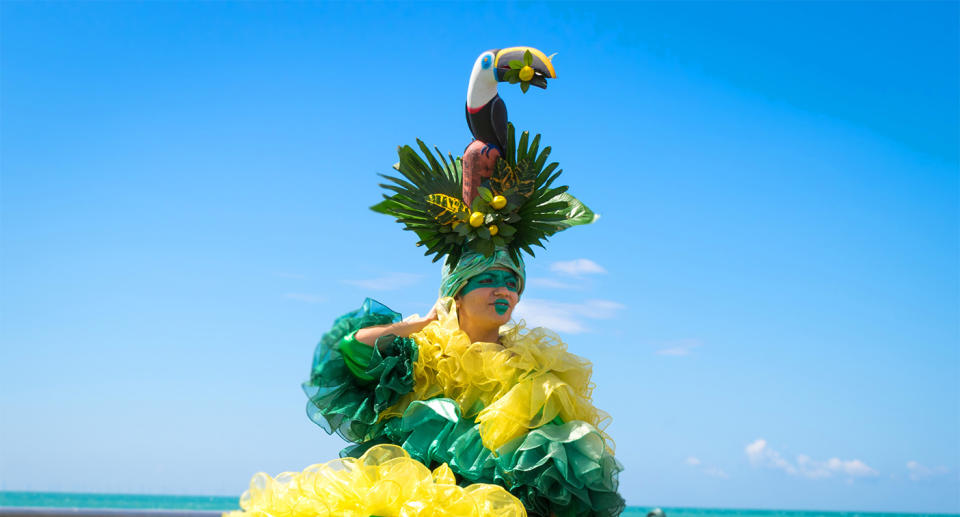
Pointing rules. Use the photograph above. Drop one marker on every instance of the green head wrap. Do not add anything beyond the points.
(472, 264)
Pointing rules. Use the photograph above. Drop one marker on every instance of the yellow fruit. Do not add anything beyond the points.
(493, 229)
(498, 202)
(476, 219)
(526, 73)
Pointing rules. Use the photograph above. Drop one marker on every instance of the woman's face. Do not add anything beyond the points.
(490, 297)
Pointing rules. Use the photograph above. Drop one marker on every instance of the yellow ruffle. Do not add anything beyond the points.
(509, 389)
(384, 482)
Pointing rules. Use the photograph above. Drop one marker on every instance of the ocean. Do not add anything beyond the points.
(220, 503)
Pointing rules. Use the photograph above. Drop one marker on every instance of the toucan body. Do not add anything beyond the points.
(487, 113)
(489, 122)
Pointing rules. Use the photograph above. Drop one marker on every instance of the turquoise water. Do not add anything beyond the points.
(219, 503)
(127, 501)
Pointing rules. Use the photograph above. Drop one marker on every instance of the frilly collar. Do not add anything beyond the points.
(448, 320)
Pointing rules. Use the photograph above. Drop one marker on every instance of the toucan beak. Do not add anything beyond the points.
(542, 67)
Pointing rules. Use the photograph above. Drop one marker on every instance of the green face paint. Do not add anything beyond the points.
(492, 278)
(501, 306)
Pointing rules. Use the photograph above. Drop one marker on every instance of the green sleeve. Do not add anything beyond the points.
(351, 383)
(357, 355)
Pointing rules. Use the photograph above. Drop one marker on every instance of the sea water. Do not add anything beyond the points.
(220, 503)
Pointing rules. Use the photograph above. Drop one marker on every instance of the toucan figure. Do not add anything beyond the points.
(487, 113)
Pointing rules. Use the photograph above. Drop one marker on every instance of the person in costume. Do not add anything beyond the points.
(460, 412)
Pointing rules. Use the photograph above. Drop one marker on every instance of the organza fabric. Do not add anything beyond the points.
(525, 382)
(516, 413)
(383, 482)
(562, 468)
(343, 403)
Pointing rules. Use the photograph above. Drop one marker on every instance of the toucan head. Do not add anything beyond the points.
(491, 65)
(542, 66)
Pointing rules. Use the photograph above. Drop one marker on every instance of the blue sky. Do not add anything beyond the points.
(770, 298)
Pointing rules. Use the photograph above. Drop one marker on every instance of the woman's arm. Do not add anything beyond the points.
(370, 335)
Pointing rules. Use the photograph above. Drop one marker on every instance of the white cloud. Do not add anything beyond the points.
(388, 282)
(709, 470)
(715, 472)
(565, 317)
(577, 267)
(916, 471)
(762, 455)
(549, 283)
(852, 468)
(681, 347)
(305, 297)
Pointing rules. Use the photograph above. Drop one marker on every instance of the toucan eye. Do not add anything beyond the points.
(487, 61)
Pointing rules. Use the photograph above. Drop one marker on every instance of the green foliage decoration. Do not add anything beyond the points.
(520, 71)
(426, 199)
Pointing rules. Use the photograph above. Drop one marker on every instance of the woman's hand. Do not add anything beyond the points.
(370, 335)
(432, 315)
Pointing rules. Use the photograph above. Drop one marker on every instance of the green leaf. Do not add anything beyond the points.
(515, 255)
(485, 247)
(398, 181)
(545, 173)
(454, 257)
(516, 64)
(558, 216)
(528, 58)
(577, 213)
(542, 159)
(385, 207)
(478, 205)
(524, 87)
(552, 206)
(485, 194)
(435, 248)
(547, 194)
(498, 241)
(534, 147)
(506, 230)
(483, 232)
(434, 164)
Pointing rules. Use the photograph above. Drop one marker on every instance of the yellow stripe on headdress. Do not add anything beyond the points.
(447, 203)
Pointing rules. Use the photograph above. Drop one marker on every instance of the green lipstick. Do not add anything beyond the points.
(502, 306)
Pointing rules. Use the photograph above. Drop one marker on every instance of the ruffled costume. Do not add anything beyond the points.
(385, 481)
(439, 425)
(517, 414)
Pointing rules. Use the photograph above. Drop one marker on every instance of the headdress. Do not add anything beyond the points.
(472, 264)
(498, 199)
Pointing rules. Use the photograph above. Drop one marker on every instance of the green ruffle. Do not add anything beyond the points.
(342, 403)
(560, 468)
